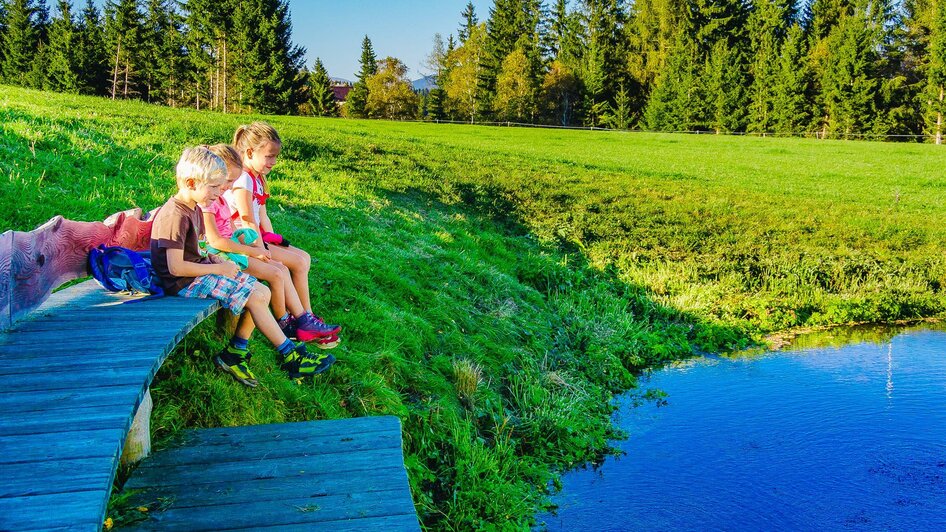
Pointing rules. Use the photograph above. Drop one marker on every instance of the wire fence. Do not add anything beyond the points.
(801, 134)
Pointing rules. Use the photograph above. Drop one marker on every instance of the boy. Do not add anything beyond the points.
(176, 258)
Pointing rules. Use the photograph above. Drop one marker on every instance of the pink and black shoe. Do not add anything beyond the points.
(310, 327)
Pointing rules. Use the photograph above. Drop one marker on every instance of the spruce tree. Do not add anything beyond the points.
(604, 65)
(848, 85)
(323, 97)
(89, 48)
(62, 69)
(724, 79)
(676, 102)
(936, 74)
(468, 21)
(123, 38)
(271, 64)
(20, 41)
(766, 28)
(793, 89)
(358, 96)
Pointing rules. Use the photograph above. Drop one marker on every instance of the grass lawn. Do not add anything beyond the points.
(497, 286)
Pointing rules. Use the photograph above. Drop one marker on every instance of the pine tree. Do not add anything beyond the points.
(123, 37)
(91, 59)
(323, 97)
(357, 100)
(62, 71)
(724, 81)
(619, 115)
(676, 102)
(936, 73)
(792, 108)
(604, 68)
(158, 51)
(270, 65)
(20, 41)
(766, 28)
(848, 85)
(468, 22)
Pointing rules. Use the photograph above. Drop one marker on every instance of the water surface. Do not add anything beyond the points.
(814, 438)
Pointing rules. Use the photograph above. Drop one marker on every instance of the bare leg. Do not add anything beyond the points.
(245, 326)
(258, 306)
(298, 262)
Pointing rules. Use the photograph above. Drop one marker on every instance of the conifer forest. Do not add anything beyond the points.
(820, 68)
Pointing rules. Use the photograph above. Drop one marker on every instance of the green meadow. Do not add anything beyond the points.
(497, 286)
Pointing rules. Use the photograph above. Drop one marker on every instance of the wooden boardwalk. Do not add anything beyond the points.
(321, 475)
(71, 377)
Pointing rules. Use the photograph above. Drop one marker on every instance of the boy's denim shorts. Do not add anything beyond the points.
(231, 292)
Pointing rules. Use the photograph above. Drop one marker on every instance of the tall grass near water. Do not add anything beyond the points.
(497, 286)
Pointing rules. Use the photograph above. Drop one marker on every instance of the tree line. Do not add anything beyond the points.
(831, 68)
(224, 55)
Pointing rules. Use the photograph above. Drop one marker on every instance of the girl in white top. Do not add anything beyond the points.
(259, 145)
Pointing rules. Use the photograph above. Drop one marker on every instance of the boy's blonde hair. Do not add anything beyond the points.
(229, 155)
(200, 165)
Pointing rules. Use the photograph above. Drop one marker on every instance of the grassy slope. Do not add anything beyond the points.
(496, 285)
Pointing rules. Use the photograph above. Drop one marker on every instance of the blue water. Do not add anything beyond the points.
(849, 438)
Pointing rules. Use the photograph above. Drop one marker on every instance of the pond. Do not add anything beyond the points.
(845, 430)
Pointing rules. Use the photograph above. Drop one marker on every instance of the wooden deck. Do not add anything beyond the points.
(71, 377)
(320, 475)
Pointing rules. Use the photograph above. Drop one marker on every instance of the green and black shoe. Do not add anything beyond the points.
(299, 363)
(234, 361)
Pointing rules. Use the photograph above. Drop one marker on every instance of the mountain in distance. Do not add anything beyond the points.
(424, 84)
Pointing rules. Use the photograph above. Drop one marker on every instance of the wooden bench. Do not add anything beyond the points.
(75, 369)
(322, 475)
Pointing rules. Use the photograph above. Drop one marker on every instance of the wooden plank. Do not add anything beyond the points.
(46, 400)
(123, 339)
(321, 448)
(68, 420)
(87, 347)
(74, 511)
(64, 476)
(290, 511)
(388, 523)
(246, 490)
(277, 431)
(97, 443)
(64, 381)
(275, 467)
(50, 365)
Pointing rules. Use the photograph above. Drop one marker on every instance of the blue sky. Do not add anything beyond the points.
(333, 30)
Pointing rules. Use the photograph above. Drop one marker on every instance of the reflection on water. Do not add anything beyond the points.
(831, 435)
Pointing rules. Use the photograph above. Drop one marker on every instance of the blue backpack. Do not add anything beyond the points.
(120, 269)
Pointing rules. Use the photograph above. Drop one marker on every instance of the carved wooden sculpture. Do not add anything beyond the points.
(34, 263)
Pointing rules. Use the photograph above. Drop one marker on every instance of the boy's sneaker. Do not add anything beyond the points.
(299, 363)
(234, 362)
(288, 327)
(309, 327)
(329, 342)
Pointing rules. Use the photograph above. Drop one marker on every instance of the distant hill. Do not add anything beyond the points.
(424, 84)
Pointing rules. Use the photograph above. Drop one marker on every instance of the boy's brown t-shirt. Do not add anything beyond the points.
(176, 226)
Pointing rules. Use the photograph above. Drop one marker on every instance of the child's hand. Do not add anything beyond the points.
(265, 255)
(227, 269)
